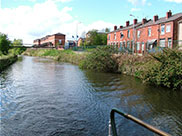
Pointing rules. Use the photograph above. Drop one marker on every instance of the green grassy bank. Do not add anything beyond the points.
(161, 69)
(6, 61)
(58, 55)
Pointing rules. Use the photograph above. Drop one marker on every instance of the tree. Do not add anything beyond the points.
(96, 38)
(17, 42)
(107, 30)
(4, 43)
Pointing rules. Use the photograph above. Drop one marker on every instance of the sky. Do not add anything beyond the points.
(32, 19)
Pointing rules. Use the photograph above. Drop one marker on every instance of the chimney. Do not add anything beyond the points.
(127, 23)
(115, 28)
(135, 21)
(168, 14)
(144, 20)
(121, 27)
(156, 18)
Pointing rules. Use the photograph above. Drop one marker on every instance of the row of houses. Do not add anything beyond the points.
(51, 41)
(147, 34)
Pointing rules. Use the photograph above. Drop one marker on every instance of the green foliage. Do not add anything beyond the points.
(4, 44)
(17, 42)
(6, 61)
(167, 71)
(96, 38)
(100, 59)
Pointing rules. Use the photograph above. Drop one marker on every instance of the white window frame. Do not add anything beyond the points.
(120, 35)
(162, 31)
(128, 33)
(138, 33)
(149, 32)
(169, 43)
(162, 42)
(115, 36)
(168, 28)
(138, 46)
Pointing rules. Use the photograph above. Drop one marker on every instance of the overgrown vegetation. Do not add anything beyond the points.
(162, 69)
(95, 38)
(101, 59)
(4, 44)
(166, 69)
(8, 54)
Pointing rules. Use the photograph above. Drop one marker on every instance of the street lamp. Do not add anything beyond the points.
(77, 31)
(133, 34)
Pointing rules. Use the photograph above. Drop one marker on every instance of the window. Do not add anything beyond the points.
(123, 44)
(162, 29)
(114, 36)
(149, 32)
(128, 33)
(162, 42)
(60, 41)
(109, 36)
(128, 44)
(138, 34)
(143, 46)
(138, 46)
(168, 28)
(169, 43)
(121, 35)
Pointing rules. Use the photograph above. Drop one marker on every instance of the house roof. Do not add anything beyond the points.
(128, 27)
(162, 20)
(151, 22)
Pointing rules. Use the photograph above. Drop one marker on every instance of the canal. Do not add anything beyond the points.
(40, 97)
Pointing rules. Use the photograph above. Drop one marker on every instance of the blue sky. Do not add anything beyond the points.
(20, 15)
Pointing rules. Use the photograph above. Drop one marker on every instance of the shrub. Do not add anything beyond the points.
(101, 59)
(4, 43)
(167, 71)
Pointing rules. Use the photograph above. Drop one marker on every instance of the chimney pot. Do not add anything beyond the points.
(115, 27)
(127, 23)
(156, 18)
(135, 21)
(168, 14)
(121, 27)
(144, 20)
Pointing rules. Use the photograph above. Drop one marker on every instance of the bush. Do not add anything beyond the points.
(167, 70)
(101, 59)
(4, 43)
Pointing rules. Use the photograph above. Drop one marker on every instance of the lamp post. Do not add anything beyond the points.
(133, 34)
(77, 31)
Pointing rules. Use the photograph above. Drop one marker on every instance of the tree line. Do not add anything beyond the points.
(94, 37)
(6, 45)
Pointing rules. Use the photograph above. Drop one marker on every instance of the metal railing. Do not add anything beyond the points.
(134, 119)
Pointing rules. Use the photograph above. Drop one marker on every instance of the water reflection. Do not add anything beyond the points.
(40, 97)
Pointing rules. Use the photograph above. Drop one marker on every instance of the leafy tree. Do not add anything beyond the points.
(17, 42)
(4, 43)
(107, 30)
(96, 38)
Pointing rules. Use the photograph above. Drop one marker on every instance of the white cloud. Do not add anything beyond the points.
(137, 2)
(177, 1)
(29, 23)
(135, 9)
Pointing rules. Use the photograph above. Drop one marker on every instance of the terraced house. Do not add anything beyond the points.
(55, 40)
(147, 34)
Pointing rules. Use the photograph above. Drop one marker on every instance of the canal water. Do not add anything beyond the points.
(40, 97)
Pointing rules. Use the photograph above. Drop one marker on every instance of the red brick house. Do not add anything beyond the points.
(55, 40)
(147, 34)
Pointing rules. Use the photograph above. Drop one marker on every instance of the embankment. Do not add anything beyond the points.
(161, 69)
(6, 61)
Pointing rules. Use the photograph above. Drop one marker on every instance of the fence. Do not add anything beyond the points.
(138, 47)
